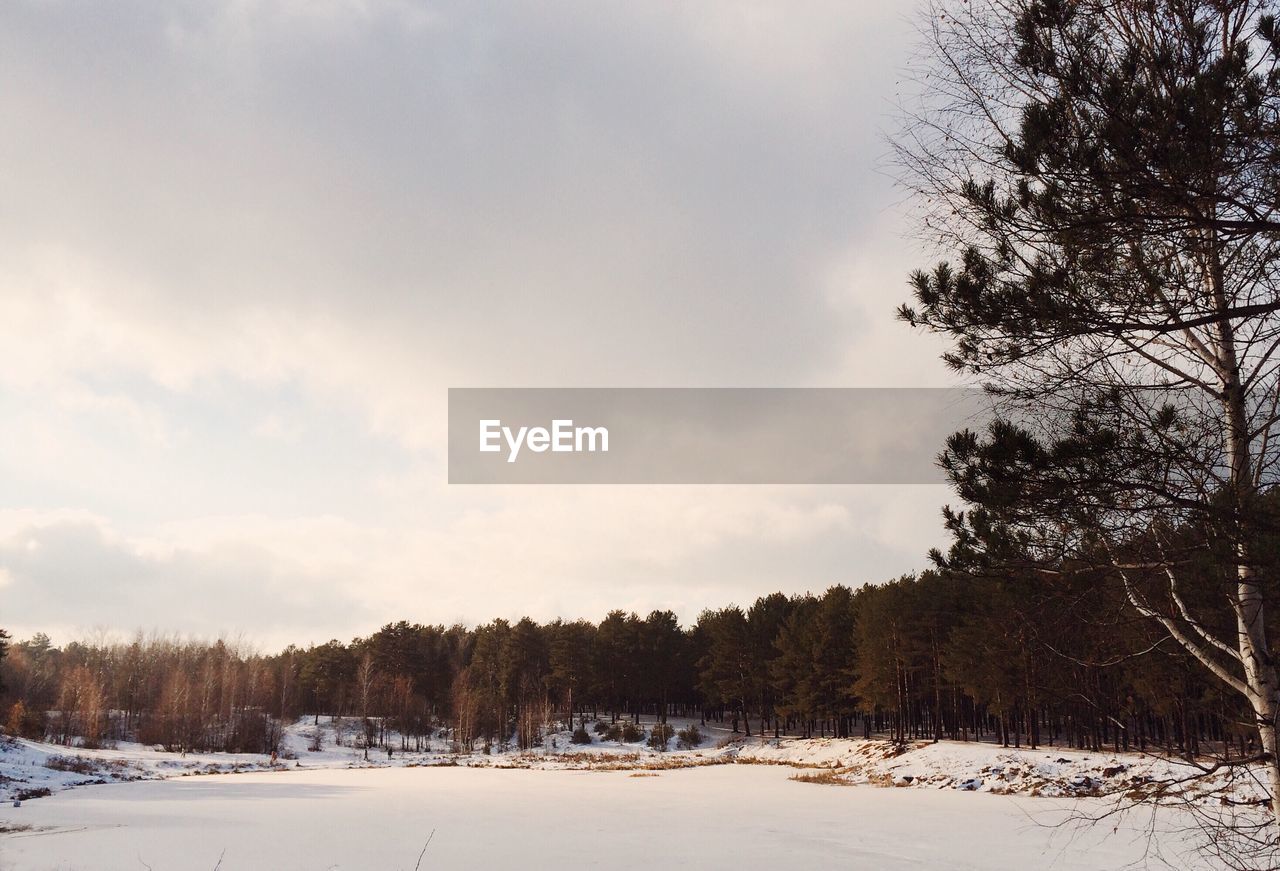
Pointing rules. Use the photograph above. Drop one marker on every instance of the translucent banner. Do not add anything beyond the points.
(705, 435)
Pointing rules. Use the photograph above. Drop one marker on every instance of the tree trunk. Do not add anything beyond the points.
(1259, 669)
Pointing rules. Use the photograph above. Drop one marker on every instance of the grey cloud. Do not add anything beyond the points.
(336, 208)
(517, 188)
(71, 573)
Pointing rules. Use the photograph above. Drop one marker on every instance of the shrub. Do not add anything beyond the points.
(600, 727)
(632, 733)
(612, 732)
(689, 738)
(581, 736)
(74, 764)
(660, 735)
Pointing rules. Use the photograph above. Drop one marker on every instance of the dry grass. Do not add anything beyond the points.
(73, 764)
(827, 777)
(665, 763)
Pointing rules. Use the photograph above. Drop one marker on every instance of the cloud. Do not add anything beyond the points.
(246, 247)
(570, 553)
(75, 573)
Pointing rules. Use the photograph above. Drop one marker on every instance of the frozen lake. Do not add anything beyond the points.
(730, 816)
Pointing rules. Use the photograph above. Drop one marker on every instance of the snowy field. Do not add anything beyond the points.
(29, 768)
(730, 816)
(726, 803)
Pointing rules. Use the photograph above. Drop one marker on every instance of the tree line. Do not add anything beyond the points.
(1029, 659)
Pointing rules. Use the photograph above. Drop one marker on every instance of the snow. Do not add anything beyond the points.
(731, 816)
(731, 802)
(28, 767)
(983, 767)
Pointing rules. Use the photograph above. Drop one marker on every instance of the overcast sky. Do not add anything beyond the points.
(247, 245)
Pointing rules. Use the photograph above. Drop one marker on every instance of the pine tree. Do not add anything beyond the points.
(1107, 176)
(663, 651)
(791, 671)
(569, 661)
(325, 672)
(764, 621)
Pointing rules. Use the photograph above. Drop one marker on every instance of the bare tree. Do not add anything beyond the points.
(82, 706)
(365, 679)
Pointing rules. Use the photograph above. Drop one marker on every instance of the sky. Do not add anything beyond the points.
(246, 246)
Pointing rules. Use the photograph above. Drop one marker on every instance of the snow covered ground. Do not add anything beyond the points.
(28, 768)
(732, 817)
(983, 767)
(740, 803)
